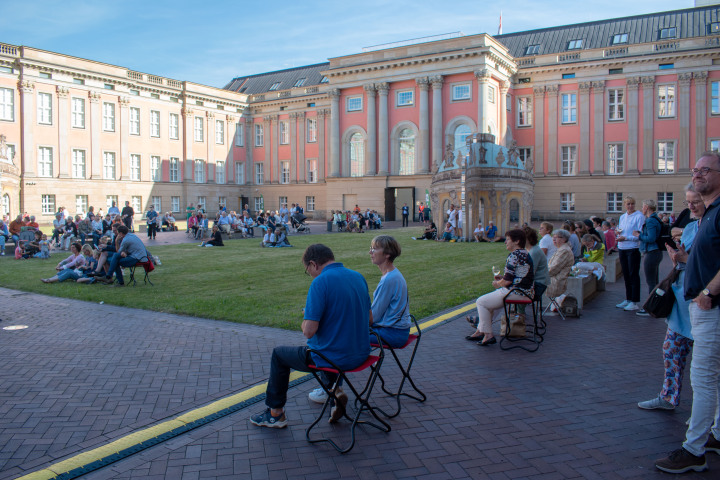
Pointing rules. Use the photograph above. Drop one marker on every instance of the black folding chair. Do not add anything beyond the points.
(519, 297)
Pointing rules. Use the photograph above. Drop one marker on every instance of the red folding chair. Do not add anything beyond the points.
(147, 266)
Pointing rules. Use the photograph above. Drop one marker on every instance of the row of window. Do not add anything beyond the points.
(665, 158)
(406, 98)
(666, 105)
(259, 203)
(615, 202)
(284, 137)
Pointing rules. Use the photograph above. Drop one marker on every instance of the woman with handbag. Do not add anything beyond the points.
(678, 338)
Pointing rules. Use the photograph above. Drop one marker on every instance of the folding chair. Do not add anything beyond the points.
(553, 301)
(519, 297)
(413, 338)
(148, 266)
(363, 398)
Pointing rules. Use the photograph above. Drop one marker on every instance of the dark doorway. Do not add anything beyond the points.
(395, 198)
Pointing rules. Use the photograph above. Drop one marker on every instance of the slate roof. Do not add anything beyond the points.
(690, 22)
(262, 82)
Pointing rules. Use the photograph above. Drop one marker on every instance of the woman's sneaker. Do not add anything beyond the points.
(266, 419)
(318, 396)
(656, 403)
(623, 304)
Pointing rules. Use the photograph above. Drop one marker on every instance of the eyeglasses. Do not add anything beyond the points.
(306, 270)
(373, 249)
(696, 202)
(702, 171)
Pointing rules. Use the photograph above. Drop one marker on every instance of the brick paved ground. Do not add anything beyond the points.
(92, 373)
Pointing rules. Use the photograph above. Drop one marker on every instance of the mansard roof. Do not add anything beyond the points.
(286, 79)
(690, 22)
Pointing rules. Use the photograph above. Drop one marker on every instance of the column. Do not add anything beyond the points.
(682, 153)
(483, 78)
(27, 114)
(371, 152)
(322, 115)
(249, 139)
(437, 122)
(266, 147)
(124, 122)
(502, 137)
(334, 95)
(383, 89)
(293, 148)
(424, 166)
(63, 154)
(648, 84)
(584, 119)
(598, 90)
(275, 165)
(230, 133)
(301, 142)
(633, 105)
(95, 125)
(552, 92)
(539, 122)
(701, 145)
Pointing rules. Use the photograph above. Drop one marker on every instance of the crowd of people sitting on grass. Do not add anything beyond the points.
(355, 221)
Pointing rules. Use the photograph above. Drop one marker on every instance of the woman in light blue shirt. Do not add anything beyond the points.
(390, 306)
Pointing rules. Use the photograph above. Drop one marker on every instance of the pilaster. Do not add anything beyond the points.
(95, 125)
(210, 147)
(682, 153)
(267, 178)
(123, 162)
(424, 157)
(63, 154)
(371, 152)
(322, 115)
(538, 118)
(701, 112)
(552, 94)
(483, 78)
(334, 95)
(249, 139)
(633, 84)
(648, 88)
(584, 119)
(383, 133)
(502, 134)
(598, 91)
(437, 124)
(27, 114)
(293, 147)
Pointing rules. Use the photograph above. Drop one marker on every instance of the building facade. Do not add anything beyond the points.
(594, 111)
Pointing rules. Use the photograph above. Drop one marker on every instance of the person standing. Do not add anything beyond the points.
(628, 245)
(152, 222)
(405, 215)
(649, 246)
(127, 215)
(702, 288)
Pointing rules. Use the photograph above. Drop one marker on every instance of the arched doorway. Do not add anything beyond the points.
(514, 211)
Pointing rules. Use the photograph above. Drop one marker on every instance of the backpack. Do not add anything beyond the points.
(569, 306)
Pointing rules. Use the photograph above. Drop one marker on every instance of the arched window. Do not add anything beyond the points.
(5, 204)
(407, 152)
(357, 155)
(514, 211)
(462, 131)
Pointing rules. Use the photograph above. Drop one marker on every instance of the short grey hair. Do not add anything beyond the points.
(562, 233)
(650, 204)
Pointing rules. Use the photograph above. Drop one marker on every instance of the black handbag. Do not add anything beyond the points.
(660, 302)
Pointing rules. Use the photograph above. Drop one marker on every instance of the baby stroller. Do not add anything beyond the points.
(298, 223)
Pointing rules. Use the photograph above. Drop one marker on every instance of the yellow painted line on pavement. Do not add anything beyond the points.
(97, 454)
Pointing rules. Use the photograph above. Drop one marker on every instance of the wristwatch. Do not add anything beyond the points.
(707, 293)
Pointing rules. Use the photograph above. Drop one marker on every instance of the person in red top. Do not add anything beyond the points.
(15, 228)
(32, 223)
(610, 240)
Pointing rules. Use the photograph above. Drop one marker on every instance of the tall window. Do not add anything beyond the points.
(157, 203)
(136, 203)
(354, 104)
(666, 101)
(109, 117)
(174, 169)
(524, 111)
(135, 168)
(616, 158)
(222, 201)
(665, 202)
(407, 152)
(281, 201)
(616, 104)
(155, 172)
(284, 172)
(461, 92)
(154, 123)
(284, 133)
(666, 157)
(357, 155)
(110, 199)
(134, 121)
(310, 204)
(567, 202)
(78, 163)
(78, 113)
(259, 203)
(109, 165)
(81, 204)
(312, 130)
(239, 139)
(47, 203)
(239, 173)
(199, 171)
(45, 162)
(259, 174)
(715, 98)
(7, 104)
(569, 160)
(312, 173)
(199, 129)
(174, 121)
(174, 204)
(714, 145)
(614, 202)
(259, 135)
(202, 203)
(525, 155)
(569, 108)
(461, 133)
(220, 172)
(219, 132)
(45, 108)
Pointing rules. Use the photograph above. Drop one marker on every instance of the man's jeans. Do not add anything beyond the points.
(705, 378)
(284, 359)
(116, 264)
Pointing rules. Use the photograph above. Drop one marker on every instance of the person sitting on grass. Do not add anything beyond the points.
(58, 229)
(44, 245)
(68, 269)
(268, 239)
(4, 236)
(32, 247)
(168, 222)
(249, 224)
(215, 238)
(479, 233)
(88, 271)
(131, 250)
(281, 239)
(448, 233)
(193, 224)
(69, 234)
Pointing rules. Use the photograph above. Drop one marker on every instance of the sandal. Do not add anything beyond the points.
(492, 341)
(475, 338)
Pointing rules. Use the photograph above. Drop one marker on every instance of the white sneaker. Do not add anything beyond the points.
(623, 304)
(631, 306)
(318, 396)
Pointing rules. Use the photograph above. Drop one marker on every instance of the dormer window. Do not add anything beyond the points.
(670, 32)
(275, 86)
(714, 27)
(575, 44)
(620, 38)
(532, 50)
(324, 80)
(300, 82)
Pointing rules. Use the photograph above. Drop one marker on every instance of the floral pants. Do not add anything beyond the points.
(675, 352)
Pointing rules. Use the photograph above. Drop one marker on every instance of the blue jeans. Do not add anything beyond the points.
(116, 264)
(705, 378)
(68, 274)
(2, 242)
(283, 360)
(395, 337)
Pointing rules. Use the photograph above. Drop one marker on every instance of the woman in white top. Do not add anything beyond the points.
(629, 248)
(546, 241)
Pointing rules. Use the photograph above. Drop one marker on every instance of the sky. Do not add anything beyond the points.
(212, 42)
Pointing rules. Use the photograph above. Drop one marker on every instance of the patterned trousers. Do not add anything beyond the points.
(675, 352)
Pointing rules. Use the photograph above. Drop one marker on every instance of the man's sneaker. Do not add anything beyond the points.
(642, 313)
(631, 306)
(681, 461)
(657, 403)
(713, 444)
(265, 419)
(318, 396)
(338, 411)
(623, 304)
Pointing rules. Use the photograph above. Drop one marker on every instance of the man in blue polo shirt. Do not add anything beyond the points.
(337, 320)
(702, 286)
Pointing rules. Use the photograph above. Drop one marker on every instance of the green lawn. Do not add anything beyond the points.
(243, 282)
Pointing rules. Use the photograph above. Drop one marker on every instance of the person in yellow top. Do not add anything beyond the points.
(594, 249)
